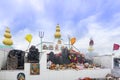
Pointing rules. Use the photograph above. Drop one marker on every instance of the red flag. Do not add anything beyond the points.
(116, 46)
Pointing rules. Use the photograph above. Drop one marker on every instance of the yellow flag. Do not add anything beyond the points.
(28, 37)
(73, 40)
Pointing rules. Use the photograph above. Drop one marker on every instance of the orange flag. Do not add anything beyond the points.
(73, 40)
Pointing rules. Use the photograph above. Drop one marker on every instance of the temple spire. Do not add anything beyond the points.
(7, 40)
(57, 33)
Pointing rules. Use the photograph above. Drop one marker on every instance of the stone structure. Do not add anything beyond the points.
(65, 56)
(33, 55)
(15, 60)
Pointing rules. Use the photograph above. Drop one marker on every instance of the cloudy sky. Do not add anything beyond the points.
(83, 19)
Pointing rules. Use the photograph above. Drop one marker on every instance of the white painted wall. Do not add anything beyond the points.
(55, 75)
(3, 58)
(46, 74)
(105, 61)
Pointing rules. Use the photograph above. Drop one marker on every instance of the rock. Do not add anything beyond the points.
(65, 56)
(33, 55)
(15, 60)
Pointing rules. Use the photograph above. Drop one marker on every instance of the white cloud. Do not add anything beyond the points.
(37, 5)
(19, 39)
(75, 17)
(103, 36)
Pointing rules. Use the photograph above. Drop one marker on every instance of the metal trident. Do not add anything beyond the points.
(41, 35)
